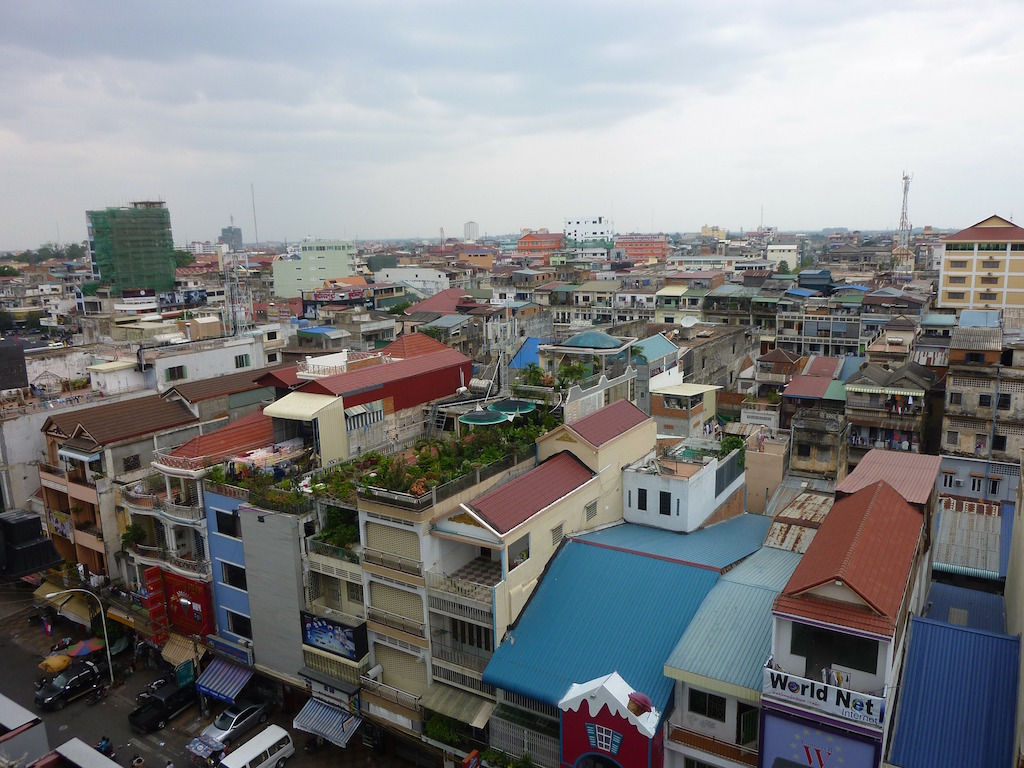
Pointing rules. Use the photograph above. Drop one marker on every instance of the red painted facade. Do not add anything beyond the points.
(610, 737)
(189, 604)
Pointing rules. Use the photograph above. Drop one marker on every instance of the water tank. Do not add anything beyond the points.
(480, 386)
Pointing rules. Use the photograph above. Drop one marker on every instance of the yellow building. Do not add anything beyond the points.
(982, 267)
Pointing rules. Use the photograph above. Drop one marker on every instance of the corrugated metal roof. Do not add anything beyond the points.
(517, 501)
(609, 422)
(600, 610)
(717, 546)
(655, 347)
(913, 475)
(232, 383)
(412, 345)
(976, 670)
(979, 318)
(835, 391)
(378, 375)
(977, 339)
(114, 422)
(966, 607)
(969, 535)
(730, 636)
(794, 527)
(248, 432)
(807, 387)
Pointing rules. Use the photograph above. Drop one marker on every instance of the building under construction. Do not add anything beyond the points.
(132, 247)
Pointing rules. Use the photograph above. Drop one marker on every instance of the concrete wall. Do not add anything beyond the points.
(764, 470)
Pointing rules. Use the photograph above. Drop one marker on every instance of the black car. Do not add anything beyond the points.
(165, 704)
(77, 680)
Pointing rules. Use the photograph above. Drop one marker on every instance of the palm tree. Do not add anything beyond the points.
(532, 375)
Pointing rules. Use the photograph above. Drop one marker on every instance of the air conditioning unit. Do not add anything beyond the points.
(958, 482)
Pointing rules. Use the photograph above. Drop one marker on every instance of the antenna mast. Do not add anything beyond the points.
(904, 258)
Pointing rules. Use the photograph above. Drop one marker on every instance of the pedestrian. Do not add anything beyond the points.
(138, 762)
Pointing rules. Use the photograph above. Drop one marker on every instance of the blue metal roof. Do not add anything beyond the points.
(967, 607)
(717, 546)
(655, 347)
(731, 635)
(527, 354)
(979, 318)
(597, 611)
(805, 292)
(850, 366)
(958, 698)
(1006, 515)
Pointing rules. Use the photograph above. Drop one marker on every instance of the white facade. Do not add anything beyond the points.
(580, 229)
(317, 261)
(426, 280)
(179, 363)
(788, 253)
(471, 231)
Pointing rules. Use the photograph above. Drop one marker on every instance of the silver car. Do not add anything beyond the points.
(236, 720)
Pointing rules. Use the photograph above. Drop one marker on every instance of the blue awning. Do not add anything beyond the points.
(223, 680)
(327, 721)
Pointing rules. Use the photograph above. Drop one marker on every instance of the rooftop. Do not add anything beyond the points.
(912, 475)
(607, 423)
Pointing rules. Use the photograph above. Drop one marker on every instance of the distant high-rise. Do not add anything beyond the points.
(470, 231)
(132, 247)
(232, 238)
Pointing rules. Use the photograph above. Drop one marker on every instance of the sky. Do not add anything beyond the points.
(375, 120)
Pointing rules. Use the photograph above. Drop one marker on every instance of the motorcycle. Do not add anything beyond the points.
(106, 747)
(64, 642)
(98, 693)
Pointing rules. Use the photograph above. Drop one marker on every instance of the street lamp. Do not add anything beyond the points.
(103, 618)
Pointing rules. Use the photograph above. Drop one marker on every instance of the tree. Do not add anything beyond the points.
(6, 270)
(783, 268)
(731, 443)
(183, 258)
(533, 375)
(399, 309)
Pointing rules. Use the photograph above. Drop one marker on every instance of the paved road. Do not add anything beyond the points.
(22, 647)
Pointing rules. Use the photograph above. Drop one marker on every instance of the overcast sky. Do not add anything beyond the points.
(380, 119)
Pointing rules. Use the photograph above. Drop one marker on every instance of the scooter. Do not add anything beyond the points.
(64, 642)
(106, 747)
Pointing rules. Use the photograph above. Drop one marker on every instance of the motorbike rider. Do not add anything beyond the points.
(105, 746)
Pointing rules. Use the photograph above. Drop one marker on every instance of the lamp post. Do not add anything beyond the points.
(103, 618)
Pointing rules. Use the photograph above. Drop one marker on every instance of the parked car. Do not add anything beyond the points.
(165, 704)
(77, 680)
(236, 720)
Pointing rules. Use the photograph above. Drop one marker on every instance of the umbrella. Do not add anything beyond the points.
(54, 664)
(84, 647)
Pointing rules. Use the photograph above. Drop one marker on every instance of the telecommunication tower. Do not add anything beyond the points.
(903, 257)
(903, 239)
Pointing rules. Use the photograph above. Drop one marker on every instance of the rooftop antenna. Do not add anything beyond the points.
(904, 261)
(255, 227)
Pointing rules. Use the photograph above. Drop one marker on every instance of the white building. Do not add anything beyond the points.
(426, 280)
(471, 232)
(316, 261)
(789, 253)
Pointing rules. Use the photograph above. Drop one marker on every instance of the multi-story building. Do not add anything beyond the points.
(471, 231)
(982, 267)
(888, 409)
(316, 262)
(538, 247)
(643, 248)
(131, 248)
(232, 238)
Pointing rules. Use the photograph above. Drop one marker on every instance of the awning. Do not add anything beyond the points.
(355, 410)
(48, 588)
(327, 721)
(178, 649)
(223, 680)
(121, 616)
(77, 609)
(71, 453)
(458, 704)
(884, 390)
(299, 406)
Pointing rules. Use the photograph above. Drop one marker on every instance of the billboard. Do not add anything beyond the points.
(333, 637)
(13, 374)
(862, 708)
(793, 742)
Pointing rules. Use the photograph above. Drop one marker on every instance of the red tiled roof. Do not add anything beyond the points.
(835, 613)
(344, 384)
(444, 302)
(912, 475)
(803, 385)
(994, 229)
(114, 422)
(516, 502)
(247, 433)
(779, 355)
(824, 366)
(867, 543)
(412, 345)
(608, 423)
(283, 378)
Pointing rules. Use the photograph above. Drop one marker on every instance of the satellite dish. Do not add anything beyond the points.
(688, 322)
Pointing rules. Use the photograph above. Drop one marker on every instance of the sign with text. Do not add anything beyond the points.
(793, 742)
(333, 637)
(859, 707)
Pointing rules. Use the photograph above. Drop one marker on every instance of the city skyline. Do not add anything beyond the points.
(392, 121)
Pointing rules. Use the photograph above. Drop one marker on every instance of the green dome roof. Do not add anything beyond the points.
(592, 340)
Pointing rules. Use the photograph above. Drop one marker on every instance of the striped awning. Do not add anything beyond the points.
(121, 616)
(77, 609)
(870, 390)
(223, 680)
(327, 721)
(178, 649)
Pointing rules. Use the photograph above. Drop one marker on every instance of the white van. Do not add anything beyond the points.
(267, 749)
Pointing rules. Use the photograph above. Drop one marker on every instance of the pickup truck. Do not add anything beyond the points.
(77, 680)
(160, 708)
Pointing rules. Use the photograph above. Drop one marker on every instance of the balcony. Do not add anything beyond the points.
(89, 535)
(478, 590)
(837, 701)
(392, 561)
(181, 562)
(394, 621)
(388, 693)
(53, 477)
(457, 657)
(330, 552)
(713, 746)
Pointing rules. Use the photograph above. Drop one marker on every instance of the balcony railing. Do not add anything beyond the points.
(452, 655)
(461, 587)
(394, 621)
(174, 559)
(315, 547)
(392, 561)
(388, 693)
(713, 746)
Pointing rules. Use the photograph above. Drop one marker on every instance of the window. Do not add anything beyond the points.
(955, 295)
(957, 279)
(990, 265)
(987, 296)
(956, 398)
(984, 401)
(228, 523)
(272, 357)
(999, 442)
(641, 498)
(354, 591)
(947, 480)
(977, 483)
(239, 624)
(803, 450)
(952, 438)
(990, 281)
(591, 510)
(824, 647)
(665, 503)
(177, 373)
(958, 264)
(241, 361)
(131, 463)
(465, 633)
(975, 357)
(556, 535)
(233, 576)
(1003, 403)
(993, 486)
(707, 704)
